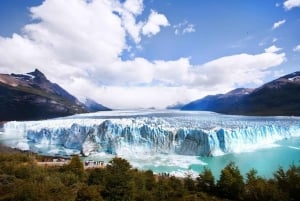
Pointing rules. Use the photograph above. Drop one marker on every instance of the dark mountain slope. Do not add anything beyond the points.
(222, 103)
(278, 97)
(32, 96)
(93, 106)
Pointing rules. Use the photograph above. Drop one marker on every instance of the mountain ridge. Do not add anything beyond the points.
(278, 97)
(32, 96)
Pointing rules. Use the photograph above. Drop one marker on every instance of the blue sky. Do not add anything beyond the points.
(135, 53)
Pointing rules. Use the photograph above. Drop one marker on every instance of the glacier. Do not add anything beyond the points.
(150, 132)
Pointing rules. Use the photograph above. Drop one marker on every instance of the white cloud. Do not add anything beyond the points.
(297, 48)
(274, 40)
(85, 57)
(128, 12)
(136, 7)
(278, 24)
(189, 29)
(289, 4)
(217, 76)
(272, 49)
(131, 26)
(155, 21)
(237, 69)
(184, 28)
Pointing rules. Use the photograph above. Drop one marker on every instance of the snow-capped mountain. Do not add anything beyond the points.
(278, 97)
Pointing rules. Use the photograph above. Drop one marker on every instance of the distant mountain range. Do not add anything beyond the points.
(278, 97)
(93, 106)
(32, 96)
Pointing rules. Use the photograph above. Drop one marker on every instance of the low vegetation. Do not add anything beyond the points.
(21, 179)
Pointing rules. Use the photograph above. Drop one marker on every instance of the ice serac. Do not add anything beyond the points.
(169, 134)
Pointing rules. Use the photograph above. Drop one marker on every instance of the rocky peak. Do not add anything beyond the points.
(38, 76)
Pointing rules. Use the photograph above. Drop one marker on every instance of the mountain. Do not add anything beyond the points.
(32, 96)
(278, 97)
(222, 103)
(175, 106)
(93, 106)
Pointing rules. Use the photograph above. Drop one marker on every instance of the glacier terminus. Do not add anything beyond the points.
(150, 133)
(168, 132)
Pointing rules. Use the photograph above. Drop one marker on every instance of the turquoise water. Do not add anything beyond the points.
(265, 161)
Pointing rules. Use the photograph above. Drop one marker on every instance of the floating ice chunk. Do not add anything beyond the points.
(23, 146)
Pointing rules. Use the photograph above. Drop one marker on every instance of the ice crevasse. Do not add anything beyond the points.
(154, 135)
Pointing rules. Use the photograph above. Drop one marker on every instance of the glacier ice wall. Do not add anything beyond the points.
(186, 134)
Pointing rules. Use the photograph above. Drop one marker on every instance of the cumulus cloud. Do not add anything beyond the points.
(155, 21)
(272, 49)
(184, 28)
(79, 45)
(278, 24)
(129, 12)
(136, 7)
(297, 48)
(289, 4)
(247, 69)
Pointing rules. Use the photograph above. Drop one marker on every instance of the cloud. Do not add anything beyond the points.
(297, 48)
(86, 57)
(272, 49)
(278, 24)
(130, 10)
(134, 6)
(237, 69)
(277, 4)
(189, 29)
(289, 4)
(155, 21)
(184, 28)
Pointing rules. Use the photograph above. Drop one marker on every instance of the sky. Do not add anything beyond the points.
(129, 54)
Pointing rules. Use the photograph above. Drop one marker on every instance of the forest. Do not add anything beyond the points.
(21, 179)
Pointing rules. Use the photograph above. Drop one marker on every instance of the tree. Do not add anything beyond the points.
(289, 181)
(76, 166)
(162, 192)
(189, 183)
(97, 176)
(149, 180)
(259, 189)
(118, 183)
(205, 181)
(176, 188)
(88, 193)
(27, 191)
(255, 188)
(231, 184)
(118, 165)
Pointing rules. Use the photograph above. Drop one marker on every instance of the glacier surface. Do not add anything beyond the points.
(152, 132)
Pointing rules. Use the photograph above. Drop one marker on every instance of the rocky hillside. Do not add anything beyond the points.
(278, 97)
(32, 96)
